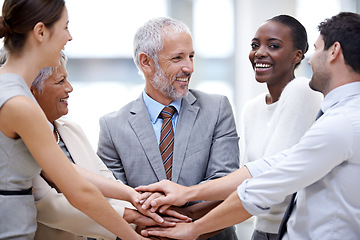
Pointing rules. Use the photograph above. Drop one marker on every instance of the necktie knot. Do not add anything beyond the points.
(167, 112)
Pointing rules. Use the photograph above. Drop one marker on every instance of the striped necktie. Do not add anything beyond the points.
(283, 225)
(166, 144)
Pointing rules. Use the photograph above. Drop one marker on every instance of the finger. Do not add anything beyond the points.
(149, 188)
(144, 221)
(144, 233)
(147, 203)
(159, 201)
(167, 223)
(167, 200)
(154, 216)
(164, 208)
(176, 220)
(142, 197)
(176, 214)
(159, 233)
(156, 231)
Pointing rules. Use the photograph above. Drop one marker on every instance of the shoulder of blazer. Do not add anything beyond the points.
(203, 98)
(136, 105)
(119, 115)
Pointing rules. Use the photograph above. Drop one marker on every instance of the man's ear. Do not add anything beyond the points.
(146, 63)
(39, 31)
(335, 51)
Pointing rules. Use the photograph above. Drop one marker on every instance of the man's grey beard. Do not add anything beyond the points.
(159, 82)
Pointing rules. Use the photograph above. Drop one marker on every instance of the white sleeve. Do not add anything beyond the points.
(322, 148)
(260, 166)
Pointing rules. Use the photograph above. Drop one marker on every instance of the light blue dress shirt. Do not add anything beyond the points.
(324, 168)
(154, 108)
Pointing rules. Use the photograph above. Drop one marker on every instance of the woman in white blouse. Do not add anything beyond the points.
(276, 120)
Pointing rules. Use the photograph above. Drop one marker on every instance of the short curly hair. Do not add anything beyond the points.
(345, 29)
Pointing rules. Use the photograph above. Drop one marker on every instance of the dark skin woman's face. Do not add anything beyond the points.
(53, 98)
(272, 54)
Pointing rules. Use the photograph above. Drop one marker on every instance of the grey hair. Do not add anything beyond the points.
(149, 38)
(45, 73)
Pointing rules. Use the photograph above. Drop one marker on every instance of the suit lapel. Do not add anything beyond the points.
(79, 148)
(146, 136)
(184, 126)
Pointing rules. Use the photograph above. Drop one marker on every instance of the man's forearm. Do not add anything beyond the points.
(228, 213)
(217, 189)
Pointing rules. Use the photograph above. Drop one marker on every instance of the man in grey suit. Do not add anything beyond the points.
(205, 142)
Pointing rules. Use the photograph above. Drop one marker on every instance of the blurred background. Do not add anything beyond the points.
(105, 78)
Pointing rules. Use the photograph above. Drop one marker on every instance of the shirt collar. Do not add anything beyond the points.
(154, 108)
(339, 93)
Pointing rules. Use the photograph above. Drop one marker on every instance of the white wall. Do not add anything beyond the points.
(249, 16)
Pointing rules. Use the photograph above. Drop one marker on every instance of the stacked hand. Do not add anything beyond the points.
(168, 217)
(184, 231)
(161, 195)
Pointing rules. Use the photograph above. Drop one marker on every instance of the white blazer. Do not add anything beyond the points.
(57, 219)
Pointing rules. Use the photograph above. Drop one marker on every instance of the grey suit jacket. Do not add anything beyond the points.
(205, 142)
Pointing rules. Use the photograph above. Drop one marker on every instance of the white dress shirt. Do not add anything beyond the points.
(324, 168)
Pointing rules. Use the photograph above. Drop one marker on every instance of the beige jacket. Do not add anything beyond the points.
(57, 219)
